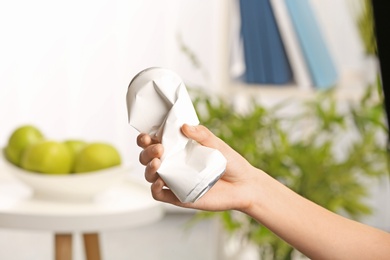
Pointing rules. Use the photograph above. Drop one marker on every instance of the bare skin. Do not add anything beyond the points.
(313, 230)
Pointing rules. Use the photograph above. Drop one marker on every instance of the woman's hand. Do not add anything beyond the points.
(232, 191)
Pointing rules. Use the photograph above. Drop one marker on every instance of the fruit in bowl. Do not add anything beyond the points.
(66, 170)
(96, 156)
(47, 156)
(21, 138)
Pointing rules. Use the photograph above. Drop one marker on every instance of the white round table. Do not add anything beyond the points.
(125, 205)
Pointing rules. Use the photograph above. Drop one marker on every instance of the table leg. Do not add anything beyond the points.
(63, 246)
(91, 245)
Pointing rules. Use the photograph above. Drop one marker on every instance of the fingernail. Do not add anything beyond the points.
(192, 128)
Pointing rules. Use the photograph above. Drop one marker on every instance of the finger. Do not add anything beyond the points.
(162, 194)
(151, 170)
(205, 137)
(202, 135)
(144, 140)
(151, 152)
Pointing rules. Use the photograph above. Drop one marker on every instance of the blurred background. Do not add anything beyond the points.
(65, 67)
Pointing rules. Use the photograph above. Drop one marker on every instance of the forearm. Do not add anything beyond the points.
(313, 230)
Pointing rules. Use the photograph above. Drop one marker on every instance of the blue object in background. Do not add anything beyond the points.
(265, 57)
(317, 55)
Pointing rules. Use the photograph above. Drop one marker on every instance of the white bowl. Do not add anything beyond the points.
(69, 187)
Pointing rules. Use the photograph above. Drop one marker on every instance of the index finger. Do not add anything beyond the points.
(144, 140)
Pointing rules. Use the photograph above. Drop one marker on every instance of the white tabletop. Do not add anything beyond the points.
(127, 204)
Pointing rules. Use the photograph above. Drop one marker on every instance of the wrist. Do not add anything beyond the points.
(260, 192)
(253, 194)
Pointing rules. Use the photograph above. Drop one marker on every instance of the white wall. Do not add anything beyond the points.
(65, 65)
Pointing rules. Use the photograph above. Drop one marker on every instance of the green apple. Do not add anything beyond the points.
(49, 157)
(96, 156)
(75, 146)
(21, 138)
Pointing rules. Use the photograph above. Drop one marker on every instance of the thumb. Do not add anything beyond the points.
(202, 135)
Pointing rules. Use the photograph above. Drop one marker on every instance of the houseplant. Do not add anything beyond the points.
(324, 152)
